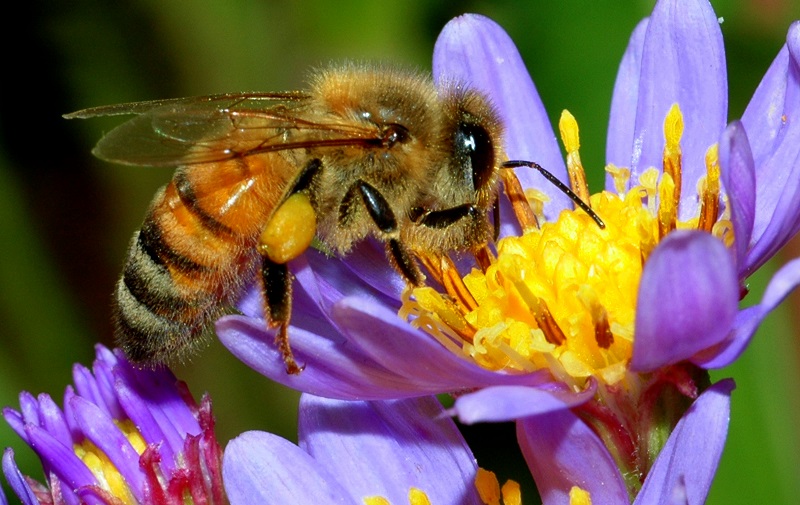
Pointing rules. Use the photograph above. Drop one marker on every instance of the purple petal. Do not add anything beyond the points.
(260, 467)
(687, 300)
(53, 420)
(16, 480)
(683, 61)
(29, 408)
(476, 51)
(415, 443)
(102, 432)
(771, 121)
(60, 459)
(425, 364)
(153, 431)
(738, 177)
(689, 460)
(508, 403)
(86, 385)
(624, 102)
(748, 320)
(562, 452)
(158, 389)
(331, 370)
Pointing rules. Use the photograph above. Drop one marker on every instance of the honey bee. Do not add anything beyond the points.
(366, 151)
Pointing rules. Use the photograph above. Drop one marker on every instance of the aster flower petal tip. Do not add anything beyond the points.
(702, 301)
(419, 452)
(125, 435)
(474, 50)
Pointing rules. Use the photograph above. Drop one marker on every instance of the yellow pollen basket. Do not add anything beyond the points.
(563, 296)
(103, 469)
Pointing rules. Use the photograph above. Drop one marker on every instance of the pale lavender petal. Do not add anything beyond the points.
(738, 177)
(624, 102)
(507, 403)
(263, 468)
(562, 452)
(771, 121)
(687, 300)
(16, 480)
(386, 448)
(476, 51)
(15, 421)
(86, 385)
(683, 61)
(415, 355)
(748, 320)
(331, 370)
(689, 460)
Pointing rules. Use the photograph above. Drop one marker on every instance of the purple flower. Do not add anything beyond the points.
(124, 436)
(400, 451)
(606, 333)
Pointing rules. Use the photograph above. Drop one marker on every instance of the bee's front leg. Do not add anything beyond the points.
(382, 215)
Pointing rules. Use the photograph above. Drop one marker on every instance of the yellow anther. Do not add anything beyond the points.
(376, 500)
(578, 496)
(667, 212)
(512, 495)
(290, 230)
(418, 497)
(673, 131)
(709, 193)
(568, 127)
(488, 487)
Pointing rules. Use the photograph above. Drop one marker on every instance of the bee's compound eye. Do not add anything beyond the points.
(474, 145)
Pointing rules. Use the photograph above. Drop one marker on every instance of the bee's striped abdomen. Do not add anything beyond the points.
(183, 267)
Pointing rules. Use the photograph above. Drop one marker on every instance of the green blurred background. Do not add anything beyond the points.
(66, 218)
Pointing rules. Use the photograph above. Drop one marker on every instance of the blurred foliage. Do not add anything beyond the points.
(65, 218)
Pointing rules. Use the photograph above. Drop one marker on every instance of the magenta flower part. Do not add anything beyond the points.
(124, 435)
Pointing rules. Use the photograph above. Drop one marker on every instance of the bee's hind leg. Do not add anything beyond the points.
(277, 284)
(288, 234)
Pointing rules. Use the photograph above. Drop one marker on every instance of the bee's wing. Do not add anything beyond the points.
(205, 129)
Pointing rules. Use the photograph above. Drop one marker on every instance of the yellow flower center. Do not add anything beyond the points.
(563, 295)
(103, 469)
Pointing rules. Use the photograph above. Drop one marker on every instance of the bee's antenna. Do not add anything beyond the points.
(560, 185)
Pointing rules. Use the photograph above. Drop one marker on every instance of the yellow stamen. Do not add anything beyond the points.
(673, 131)
(488, 487)
(571, 139)
(578, 496)
(667, 211)
(103, 469)
(376, 500)
(512, 495)
(418, 497)
(621, 177)
(562, 297)
(519, 201)
(709, 192)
